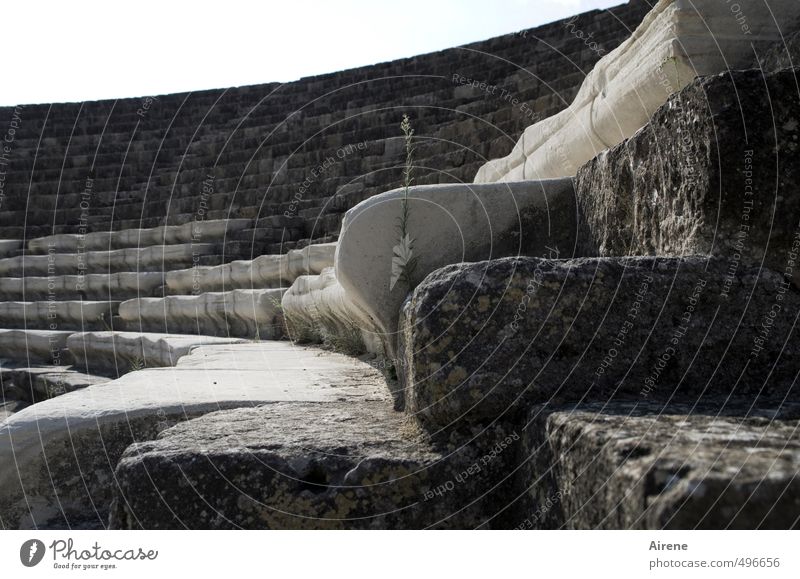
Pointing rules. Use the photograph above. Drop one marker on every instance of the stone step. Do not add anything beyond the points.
(92, 286)
(117, 353)
(266, 271)
(354, 464)
(237, 313)
(191, 232)
(58, 315)
(591, 344)
(153, 258)
(49, 346)
(725, 464)
(9, 407)
(86, 432)
(10, 247)
(36, 383)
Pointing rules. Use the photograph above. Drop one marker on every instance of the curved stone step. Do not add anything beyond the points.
(58, 315)
(36, 383)
(36, 345)
(10, 247)
(266, 271)
(10, 407)
(86, 432)
(192, 232)
(92, 286)
(240, 313)
(153, 258)
(122, 352)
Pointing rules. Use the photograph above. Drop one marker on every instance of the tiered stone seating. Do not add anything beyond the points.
(140, 298)
(617, 325)
(291, 157)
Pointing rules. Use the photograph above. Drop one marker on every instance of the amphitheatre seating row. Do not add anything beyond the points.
(83, 309)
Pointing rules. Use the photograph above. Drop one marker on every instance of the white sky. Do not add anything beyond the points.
(86, 50)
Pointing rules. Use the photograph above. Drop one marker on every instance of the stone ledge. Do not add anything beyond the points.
(59, 455)
(729, 465)
(483, 341)
(703, 177)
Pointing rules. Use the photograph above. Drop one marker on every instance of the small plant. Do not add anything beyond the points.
(136, 363)
(300, 330)
(403, 259)
(349, 341)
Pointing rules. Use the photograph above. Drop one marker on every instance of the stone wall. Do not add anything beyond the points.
(298, 154)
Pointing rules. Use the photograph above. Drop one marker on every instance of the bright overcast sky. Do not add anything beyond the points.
(86, 50)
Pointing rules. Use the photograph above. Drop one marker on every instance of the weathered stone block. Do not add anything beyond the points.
(353, 465)
(720, 465)
(482, 341)
(714, 172)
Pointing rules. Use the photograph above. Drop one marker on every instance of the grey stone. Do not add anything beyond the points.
(352, 465)
(721, 465)
(714, 172)
(9, 407)
(58, 456)
(482, 341)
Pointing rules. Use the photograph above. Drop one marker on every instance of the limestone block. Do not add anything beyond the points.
(353, 464)
(318, 309)
(712, 173)
(55, 315)
(36, 383)
(483, 341)
(10, 247)
(677, 41)
(448, 224)
(121, 352)
(59, 455)
(266, 271)
(10, 407)
(152, 258)
(191, 232)
(731, 464)
(36, 345)
(92, 286)
(235, 313)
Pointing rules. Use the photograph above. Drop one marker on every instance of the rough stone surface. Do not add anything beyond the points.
(59, 455)
(37, 383)
(91, 286)
(484, 340)
(48, 346)
(192, 232)
(353, 465)
(723, 465)
(317, 309)
(152, 258)
(712, 173)
(57, 315)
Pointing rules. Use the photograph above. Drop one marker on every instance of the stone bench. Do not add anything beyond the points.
(237, 313)
(58, 315)
(194, 231)
(153, 258)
